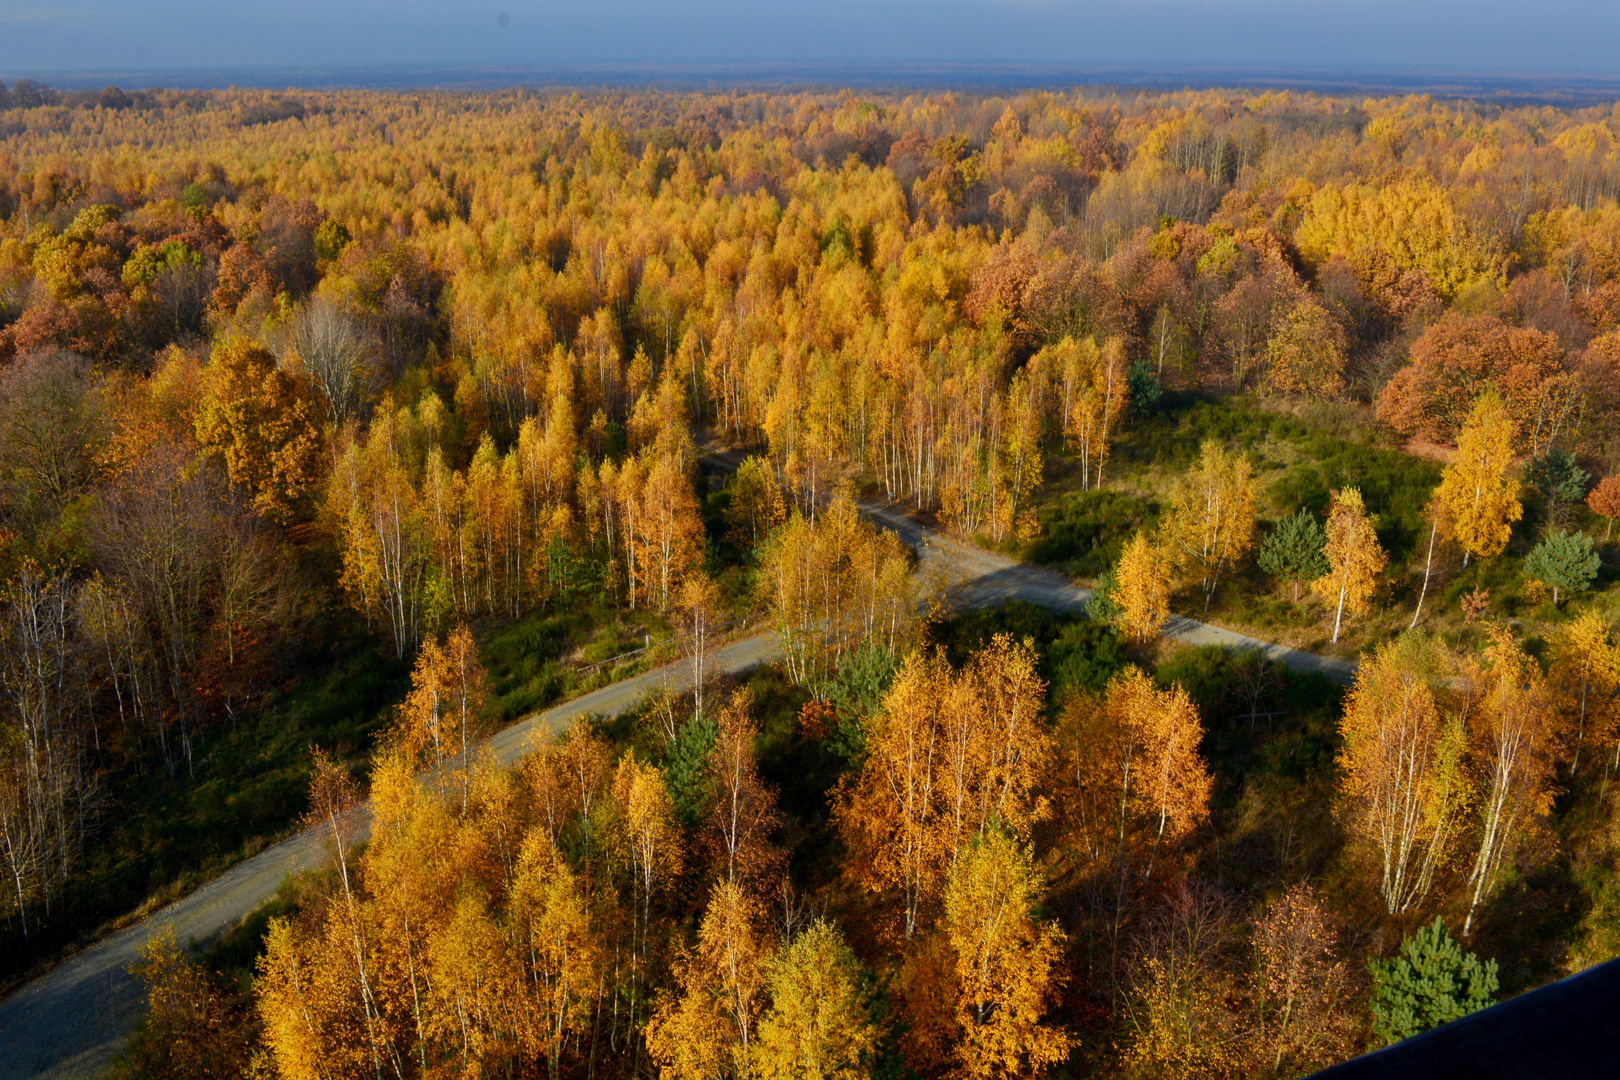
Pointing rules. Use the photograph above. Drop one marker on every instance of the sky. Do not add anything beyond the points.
(1564, 38)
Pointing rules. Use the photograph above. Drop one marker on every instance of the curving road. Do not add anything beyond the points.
(70, 1021)
(974, 577)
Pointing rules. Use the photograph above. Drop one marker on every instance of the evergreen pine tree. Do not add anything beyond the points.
(1144, 388)
(1562, 483)
(1430, 982)
(1294, 550)
(1565, 560)
(1557, 477)
(1102, 606)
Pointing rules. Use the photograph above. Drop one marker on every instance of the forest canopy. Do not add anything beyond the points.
(447, 383)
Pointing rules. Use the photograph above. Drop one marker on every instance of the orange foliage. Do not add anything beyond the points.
(1457, 359)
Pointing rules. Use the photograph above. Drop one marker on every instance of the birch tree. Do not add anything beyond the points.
(1404, 791)
(1355, 558)
(1512, 752)
(1481, 501)
(1211, 518)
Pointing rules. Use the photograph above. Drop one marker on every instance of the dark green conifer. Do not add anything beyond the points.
(1295, 550)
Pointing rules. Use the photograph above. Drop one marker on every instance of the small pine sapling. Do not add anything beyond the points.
(1565, 561)
(1295, 550)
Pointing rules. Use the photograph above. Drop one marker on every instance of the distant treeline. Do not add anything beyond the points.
(28, 94)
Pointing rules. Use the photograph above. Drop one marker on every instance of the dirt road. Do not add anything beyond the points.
(70, 1021)
(978, 578)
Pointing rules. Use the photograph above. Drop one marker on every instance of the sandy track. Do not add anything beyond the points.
(70, 1021)
(979, 578)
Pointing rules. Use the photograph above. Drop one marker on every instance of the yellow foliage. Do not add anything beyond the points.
(817, 1027)
(1211, 515)
(1480, 499)
(1180, 1023)
(949, 755)
(1403, 789)
(1089, 381)
(260, 422)
(756, 505)
(708, 1029)
(1305, 357)
(1130, 775)
(1409, 223)
(1585, 674)
(1512, 734)
(834, 584)
(563, 960)
(1355, 558)
(1005, 962)
(190, 1030)
(1142, 588)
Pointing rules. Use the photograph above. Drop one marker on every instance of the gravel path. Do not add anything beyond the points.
(979, 578)
(70, 1021)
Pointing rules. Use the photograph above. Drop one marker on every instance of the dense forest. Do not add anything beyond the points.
(339, 429)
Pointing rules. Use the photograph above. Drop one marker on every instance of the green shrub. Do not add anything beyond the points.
(1084, 532)
(1073, 652)
(1175, 437)
(1083, 656)
(855, 690)
(1395, 486)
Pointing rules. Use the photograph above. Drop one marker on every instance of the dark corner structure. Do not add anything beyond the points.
(1569, 1030)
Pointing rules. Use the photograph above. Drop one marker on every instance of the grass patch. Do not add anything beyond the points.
(1298, 464)
(1394, 485)
(1298, 461)
(1083, 532)
(542, 658)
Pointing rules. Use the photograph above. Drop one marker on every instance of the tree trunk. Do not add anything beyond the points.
(1580, 732)
(1427, 567)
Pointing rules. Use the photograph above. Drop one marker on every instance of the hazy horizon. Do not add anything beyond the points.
(770, 40)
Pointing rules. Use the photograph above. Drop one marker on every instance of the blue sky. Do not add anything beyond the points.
(1550, 37)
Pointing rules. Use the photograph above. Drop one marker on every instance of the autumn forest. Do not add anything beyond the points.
(341, 431)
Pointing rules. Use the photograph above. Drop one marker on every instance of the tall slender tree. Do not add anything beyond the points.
(1512, 752)
(1211, 519)
(1142, 588)
(1355, 558)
